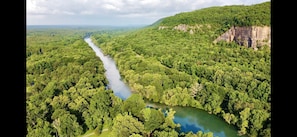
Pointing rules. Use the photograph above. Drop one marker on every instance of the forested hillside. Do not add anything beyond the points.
(66, 92)
(187, 69)
(235, 15)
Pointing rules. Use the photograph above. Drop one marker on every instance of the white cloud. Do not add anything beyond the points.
(143, 11)
(86, 12)
(110, 7)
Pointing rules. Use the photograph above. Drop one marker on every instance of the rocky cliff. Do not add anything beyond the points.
(254, 36)
(187, 28)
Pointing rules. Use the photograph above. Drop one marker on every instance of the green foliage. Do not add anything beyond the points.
(244, 123)
(169, 124)
(171, 133)
(98, 109)
(230, 118)
(135, 135)
(199, 134)
(133, 105)
(126, 125)
(153, 119)
(178, 68)
(42, 128)
(66, 93)
(63, 79)
(65, 123)
(234, 15)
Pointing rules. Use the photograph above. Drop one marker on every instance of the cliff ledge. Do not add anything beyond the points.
(254, 36)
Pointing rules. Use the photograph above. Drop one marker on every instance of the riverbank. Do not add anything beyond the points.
(190, 119)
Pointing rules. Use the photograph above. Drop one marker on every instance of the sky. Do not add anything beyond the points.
(114, 12)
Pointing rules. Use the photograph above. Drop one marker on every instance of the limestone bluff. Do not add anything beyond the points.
(250, 36)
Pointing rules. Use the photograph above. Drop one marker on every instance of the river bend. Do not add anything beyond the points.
(190, 119)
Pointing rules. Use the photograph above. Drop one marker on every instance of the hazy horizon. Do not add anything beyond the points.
(114, 12)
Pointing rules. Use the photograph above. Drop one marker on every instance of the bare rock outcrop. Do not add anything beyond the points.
(162, 27)
(182, 27)
(197, 28)
(254, 36)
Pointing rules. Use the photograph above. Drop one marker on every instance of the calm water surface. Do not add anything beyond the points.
(190, 119)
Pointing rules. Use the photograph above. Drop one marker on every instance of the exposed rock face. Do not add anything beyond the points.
(162, 27)
(253, 36)
(182, 27)
(187, 28)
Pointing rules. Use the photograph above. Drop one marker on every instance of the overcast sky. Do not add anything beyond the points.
(114, 12)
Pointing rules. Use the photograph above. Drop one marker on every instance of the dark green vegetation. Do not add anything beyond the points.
(63, 77)
(178, 68)
(66, 94)
(235, 15)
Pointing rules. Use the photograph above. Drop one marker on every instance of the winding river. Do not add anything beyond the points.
(190, 119)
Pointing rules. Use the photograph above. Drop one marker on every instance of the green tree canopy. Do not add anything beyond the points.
(153, 119)
(126, 125)
(133, 105)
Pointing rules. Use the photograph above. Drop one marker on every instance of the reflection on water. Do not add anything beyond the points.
(119, 88)
(193, 119)
(190, 119)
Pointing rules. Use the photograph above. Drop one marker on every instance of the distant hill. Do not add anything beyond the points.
(246, 25)
(234, 15)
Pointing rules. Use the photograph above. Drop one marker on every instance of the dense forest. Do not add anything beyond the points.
(235, 15)
(66, 92)
(183, 69)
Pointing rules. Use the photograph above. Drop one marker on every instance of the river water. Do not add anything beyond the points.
(190, 119)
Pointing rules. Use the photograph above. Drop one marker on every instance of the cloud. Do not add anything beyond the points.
(110, 7)
(145, 11)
